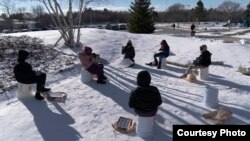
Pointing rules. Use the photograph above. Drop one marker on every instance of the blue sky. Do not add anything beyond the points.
(159, 5)
(163, 4)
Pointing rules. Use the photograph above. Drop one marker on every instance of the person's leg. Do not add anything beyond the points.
(97, 69)
(155, 58)
(189, 70)
(40, 81)
(160, 60)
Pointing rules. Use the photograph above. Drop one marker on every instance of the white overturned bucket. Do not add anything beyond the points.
(211, 97)
(203, 73)
(24, 90)
(85, 76)
(145, 127)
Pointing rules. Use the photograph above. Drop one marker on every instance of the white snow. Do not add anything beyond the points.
(91, 108)
(245, 36)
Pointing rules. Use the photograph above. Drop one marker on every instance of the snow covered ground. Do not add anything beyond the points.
(231, 32)
(91, 108)
(245, 36)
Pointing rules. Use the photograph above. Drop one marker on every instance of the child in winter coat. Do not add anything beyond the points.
(145, 99)
(88, 63)
(129, 51)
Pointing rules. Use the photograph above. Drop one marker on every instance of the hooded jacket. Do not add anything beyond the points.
(128, 51)
(85, 59)
(145, 99)
(23, 71)
(204, 59)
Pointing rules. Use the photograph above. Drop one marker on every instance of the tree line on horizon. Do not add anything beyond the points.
(174, 13)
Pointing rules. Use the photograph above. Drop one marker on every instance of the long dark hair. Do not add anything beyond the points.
(164, 43)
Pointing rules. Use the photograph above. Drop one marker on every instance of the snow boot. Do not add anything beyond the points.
(101, 81)
(159, 65)
(183, 76)
(38, 96)
(43, 90)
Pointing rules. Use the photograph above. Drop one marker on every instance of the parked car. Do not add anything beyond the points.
(6, 31)
(108, 26)
(114, 27)
(99, 26)
(25, 30)
(122, 26)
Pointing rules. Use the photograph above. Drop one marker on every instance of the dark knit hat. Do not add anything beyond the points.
(88, 50)
(22, 55)
(143, 79)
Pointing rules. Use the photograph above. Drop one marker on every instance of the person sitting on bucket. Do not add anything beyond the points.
(24, 74)
(145, 99)
(204, 60)
(88, 63)
(162, 53)
(129, 51)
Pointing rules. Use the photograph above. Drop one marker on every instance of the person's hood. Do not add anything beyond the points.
(207, 53)
(22, 56)
(143, 79)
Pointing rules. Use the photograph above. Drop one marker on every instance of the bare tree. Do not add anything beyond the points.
(229, 7)
(232, 10)
(8, 6)
(37, 10)
(64, 23)
(176, 7)
(176, 12)
(21, 10)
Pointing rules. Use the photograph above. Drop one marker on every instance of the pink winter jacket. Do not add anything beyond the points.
(86, 60)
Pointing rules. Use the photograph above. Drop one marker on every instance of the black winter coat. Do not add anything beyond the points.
(129, 52)
(145, 100)
(24, 73)
(204, 59)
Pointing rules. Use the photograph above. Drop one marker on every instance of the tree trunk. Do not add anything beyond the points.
(79, 23)
(71, 26)
(53, 19)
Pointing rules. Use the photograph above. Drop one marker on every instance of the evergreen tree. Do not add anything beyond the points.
(141, 17)
(200, 12)
(247, 13)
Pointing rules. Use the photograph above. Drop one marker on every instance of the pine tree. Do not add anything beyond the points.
(141, 18)
(247, 15)
(200, 12)
(247, 12)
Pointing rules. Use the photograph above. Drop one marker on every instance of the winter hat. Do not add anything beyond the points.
(22, 55)
(203, 47)
(88, 50)
(143, 79)
(129, 43)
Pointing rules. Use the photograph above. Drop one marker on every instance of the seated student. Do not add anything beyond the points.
(145, 99)
(88, 63)
(25, 74)
(162, 53)
(204, 60)
(129, 51)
